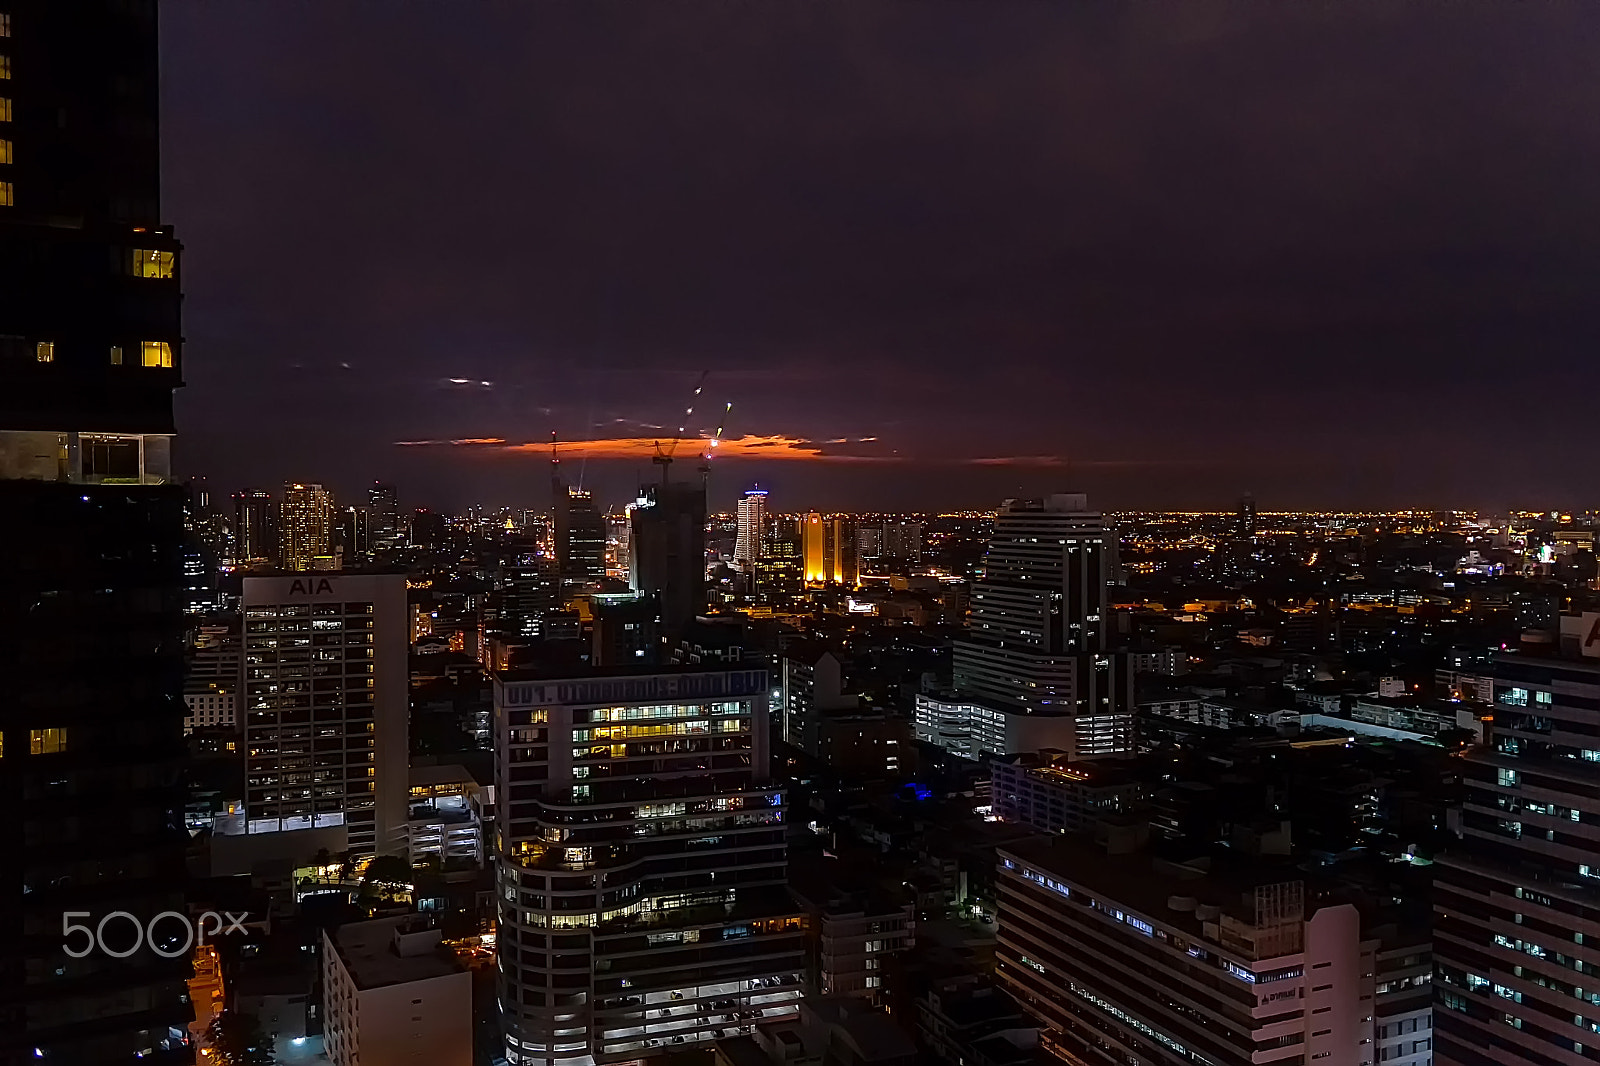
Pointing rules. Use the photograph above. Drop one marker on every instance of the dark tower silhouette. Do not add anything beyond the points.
(91, 593)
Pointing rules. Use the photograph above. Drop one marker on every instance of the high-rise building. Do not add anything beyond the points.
(752, 529)
(326, 707)
(619, 531)
(1125, 959)
(828, 549)
(668, 545)
(902, 542)
(91, 591)
(642, 869)
(385, 526)
(1034, 668)
(1517, 978)
(306, 528)
(580, 535)
(255, 526)
(780, 572)
(1247, 515)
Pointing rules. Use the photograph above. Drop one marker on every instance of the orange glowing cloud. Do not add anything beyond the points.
(747, 447)
(766, 448)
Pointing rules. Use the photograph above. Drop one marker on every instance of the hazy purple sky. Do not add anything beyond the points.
(1335, 254)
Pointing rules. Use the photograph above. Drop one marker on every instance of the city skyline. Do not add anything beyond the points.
(1170, 250)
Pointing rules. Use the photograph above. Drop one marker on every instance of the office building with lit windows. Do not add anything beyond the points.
(326, 708)
(1035, 668)
(91, 594)
(1131, 958)
(1517, 899)
(306, 528)
(642, 864)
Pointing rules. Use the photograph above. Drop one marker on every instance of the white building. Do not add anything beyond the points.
(327, 707)
(752, 529)
(975, 730)
(393, 993)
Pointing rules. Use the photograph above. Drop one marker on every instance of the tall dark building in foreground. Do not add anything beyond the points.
(90, 594)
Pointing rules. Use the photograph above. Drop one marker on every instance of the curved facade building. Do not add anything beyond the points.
(642, 878)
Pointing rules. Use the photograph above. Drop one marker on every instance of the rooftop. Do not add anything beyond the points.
(451, 774)
(372, 952)
(1150, 884)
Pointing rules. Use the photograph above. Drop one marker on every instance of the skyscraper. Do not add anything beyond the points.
(668, 544)
(255, 526)
(1034, 668)
(306, 528)
(642, 868)
(828, 547)
(1517, 977)
(580, 534)
(386, 528)
(325, 709)
(91, 725)
(752, 529)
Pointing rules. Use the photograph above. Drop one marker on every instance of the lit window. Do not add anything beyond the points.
(47, 741)
(5, 194)
(5, 25)
(5, 151)
(5, 109)
(150, 263)
(5, 67)
(157, 353)
(45, 351)
(116, 355)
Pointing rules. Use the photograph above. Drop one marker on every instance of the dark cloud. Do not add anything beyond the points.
(1332, 253)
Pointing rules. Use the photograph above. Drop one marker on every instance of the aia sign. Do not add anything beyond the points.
(311, 586)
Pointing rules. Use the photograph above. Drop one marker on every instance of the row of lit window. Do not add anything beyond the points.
(6, 195)
(41, 742)
(151, 353)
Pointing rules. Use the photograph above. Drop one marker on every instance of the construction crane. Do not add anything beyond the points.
(663, 456)
(711, 445)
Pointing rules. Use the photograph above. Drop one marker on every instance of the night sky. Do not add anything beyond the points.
(934, 253)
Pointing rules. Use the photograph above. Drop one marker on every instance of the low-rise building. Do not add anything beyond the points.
(1053, 795)
(445, 823)
(959, 1017)
(392, 992)
(849, 938)
(975, 730)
